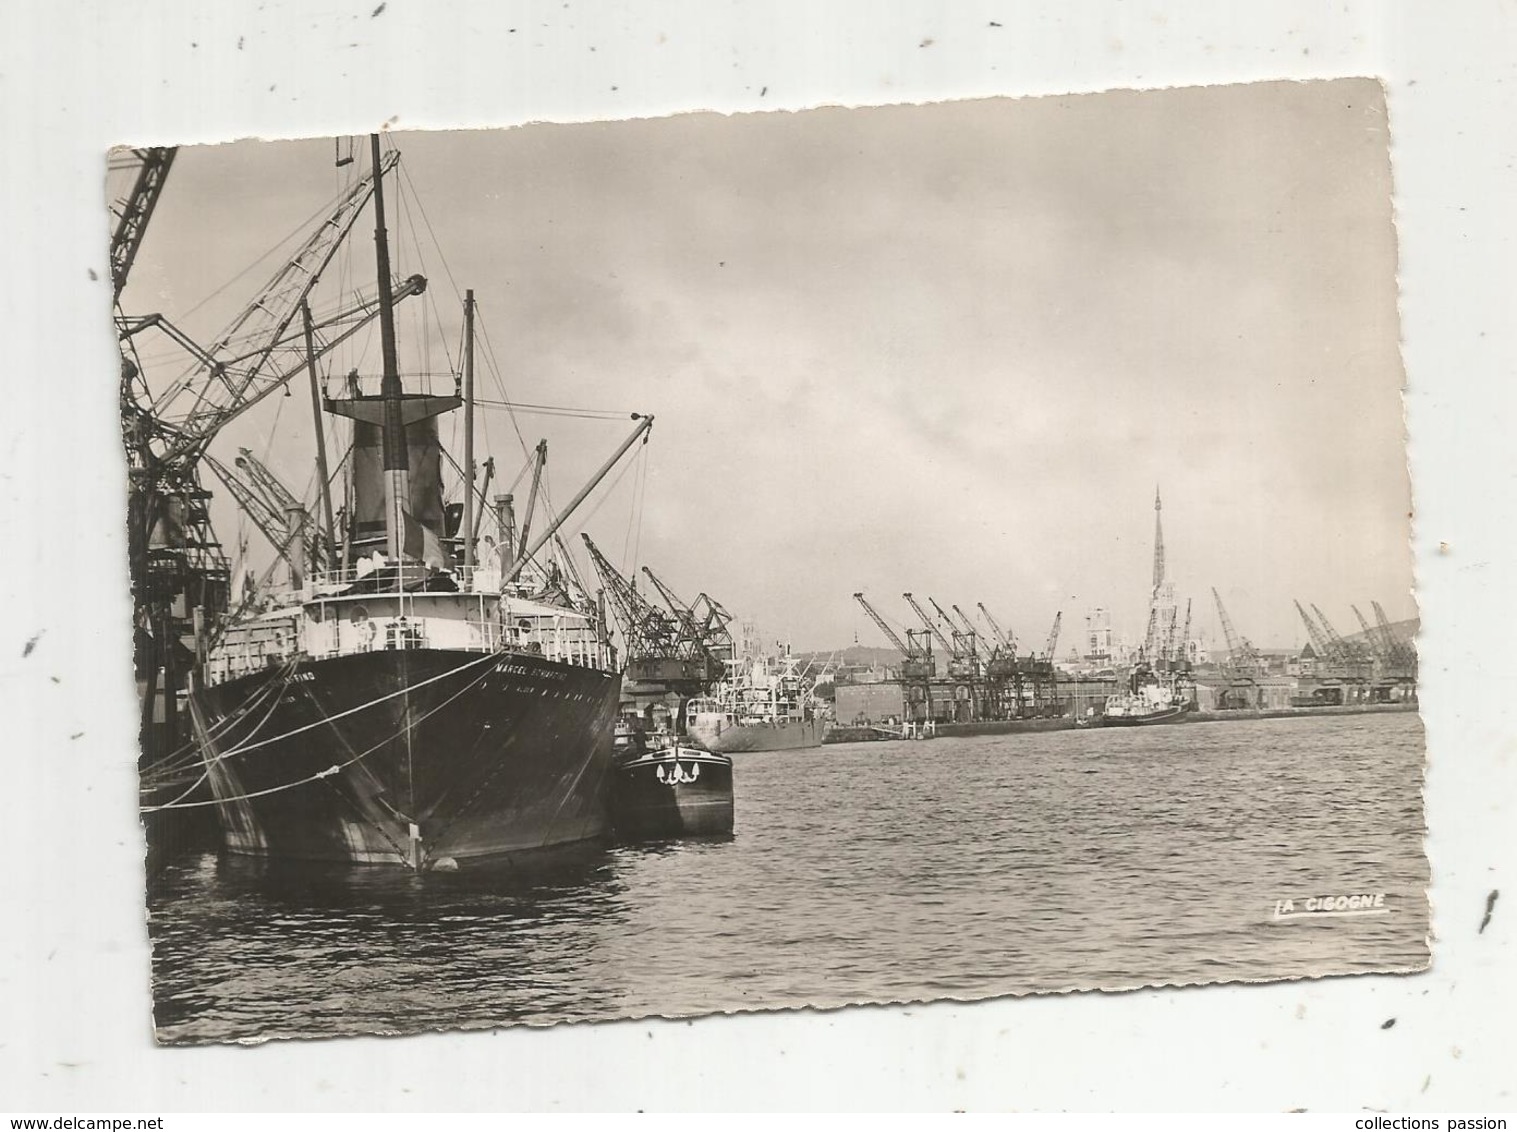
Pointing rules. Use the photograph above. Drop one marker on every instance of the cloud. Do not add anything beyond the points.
(946, 348)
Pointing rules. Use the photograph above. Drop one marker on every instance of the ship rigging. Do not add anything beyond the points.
(363, 712)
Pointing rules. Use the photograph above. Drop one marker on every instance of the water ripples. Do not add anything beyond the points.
(877, 872)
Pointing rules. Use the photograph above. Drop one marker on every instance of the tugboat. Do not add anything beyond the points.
(667, 788)
(403, 707)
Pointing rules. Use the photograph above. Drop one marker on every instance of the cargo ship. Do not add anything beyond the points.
(763, 704)
(1160, 688)
(409, 705)
(1149, 699)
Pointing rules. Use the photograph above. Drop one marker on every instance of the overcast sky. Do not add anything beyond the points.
(948, 349)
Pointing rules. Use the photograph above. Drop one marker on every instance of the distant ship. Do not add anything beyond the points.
(764, 704)
(1160, 688)
(403, 707)
(1149, 699)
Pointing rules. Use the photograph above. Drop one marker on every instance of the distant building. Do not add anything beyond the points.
(869, 703)
(864, 673)
(1163, 608)
(1098, 645)
(1222, 694)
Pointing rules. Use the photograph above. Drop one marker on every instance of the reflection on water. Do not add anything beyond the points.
(895, 871)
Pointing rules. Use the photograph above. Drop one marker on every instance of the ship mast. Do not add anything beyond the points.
(468, 517)
(396, 456)
(324, 477)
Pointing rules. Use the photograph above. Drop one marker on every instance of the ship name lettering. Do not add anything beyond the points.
(513, 669)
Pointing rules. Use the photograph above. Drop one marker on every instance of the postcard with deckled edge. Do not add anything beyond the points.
(724, 563)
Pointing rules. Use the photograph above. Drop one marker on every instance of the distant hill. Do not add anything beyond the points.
(854, 654)
(1404, 631)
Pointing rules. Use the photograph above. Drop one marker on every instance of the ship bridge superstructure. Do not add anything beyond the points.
(335, 616)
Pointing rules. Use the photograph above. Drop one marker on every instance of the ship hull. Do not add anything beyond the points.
(733, 738)
(673, 792)
(1151, 719)
(423, 758)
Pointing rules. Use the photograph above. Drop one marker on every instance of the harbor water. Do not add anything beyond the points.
(873, 872)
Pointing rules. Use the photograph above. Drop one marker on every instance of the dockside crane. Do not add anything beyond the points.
(1035, 679)
(1002, 636)
(942, 613)
(270, 522)
(987, 657)
(180, 576)
(930, 624)
(890, 634)
(1349, 652)
(1337, 649)
(1375, 642)
(1389, 670)
(1383, 633)
(965, 641)
(716, 626)
(917, 660)
(1015, 687)
(964, 621)
(1399, 659)
(283, 520)
(1343, 669)
(1053, 637)
(581, 598)
(1404, 655)
(135, 210)
(961, 665)
(650, 635)
(278, 497)
(260, 350)
(1167, 648)
(1244, 664)
(1151, 636)
(182, 559)
(1242, 658)
(1314, 631)
(1005, 676)
(917, 665)
(704, 628)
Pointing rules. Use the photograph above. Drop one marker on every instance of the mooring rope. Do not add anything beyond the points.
(206, 773)
(337, 767)
(187, 754)
(487, 658)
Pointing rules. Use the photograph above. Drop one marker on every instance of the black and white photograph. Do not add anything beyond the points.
(669, 557)
(718, 563)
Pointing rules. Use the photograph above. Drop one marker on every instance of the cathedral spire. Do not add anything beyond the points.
(1158, 540)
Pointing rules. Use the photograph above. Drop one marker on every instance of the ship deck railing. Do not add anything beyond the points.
(480, 578)
(323, 626)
